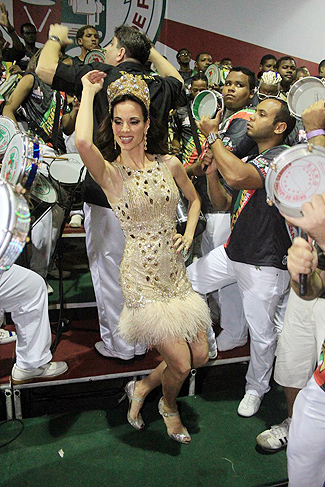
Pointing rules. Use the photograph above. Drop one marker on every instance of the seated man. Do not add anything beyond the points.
(255, 253)
(23, 294)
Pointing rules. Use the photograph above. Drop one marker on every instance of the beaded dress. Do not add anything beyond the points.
(159, 300)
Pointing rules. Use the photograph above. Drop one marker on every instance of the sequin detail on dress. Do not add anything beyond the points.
(159, 300)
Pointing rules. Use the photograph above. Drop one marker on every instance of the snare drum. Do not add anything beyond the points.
(207, 102)
(213, 74)
(304, 93)
(95, 56)
(21, 160)
(14, 224)
(8, 129)
(68, 169)
(294, 177)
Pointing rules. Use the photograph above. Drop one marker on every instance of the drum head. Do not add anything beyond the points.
(206, 102)
(43, 191)
(13, 159)
(95, 56)
(304, 93)
(213, 74)
(68, 170)
(7, 130)
(294, 177)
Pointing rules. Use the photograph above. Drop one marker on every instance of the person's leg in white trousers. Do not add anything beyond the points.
(306, 445)
(105, 245)
(23, 293)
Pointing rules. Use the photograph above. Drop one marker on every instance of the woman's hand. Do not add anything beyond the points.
(94, 80)
(181, 243)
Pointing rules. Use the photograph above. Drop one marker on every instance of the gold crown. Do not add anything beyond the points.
(129, 84)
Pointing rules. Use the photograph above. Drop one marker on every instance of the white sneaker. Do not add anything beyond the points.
(7, 336)
(47, 371)
(76, 221)
(249, 405)
(213, 354)
(276, 437)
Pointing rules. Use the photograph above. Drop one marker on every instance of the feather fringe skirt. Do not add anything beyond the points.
(176, 319)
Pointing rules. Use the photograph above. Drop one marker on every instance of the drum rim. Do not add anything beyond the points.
(295, 87)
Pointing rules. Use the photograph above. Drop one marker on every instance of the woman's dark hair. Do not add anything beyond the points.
(156, 136)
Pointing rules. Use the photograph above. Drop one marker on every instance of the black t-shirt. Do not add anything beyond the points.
(164, 93)
(259, 235)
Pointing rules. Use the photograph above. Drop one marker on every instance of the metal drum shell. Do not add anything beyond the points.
(300, 87)
(15, 218)
(285, 161)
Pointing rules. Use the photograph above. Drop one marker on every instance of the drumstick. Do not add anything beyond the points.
(302, 277)
(56, 157)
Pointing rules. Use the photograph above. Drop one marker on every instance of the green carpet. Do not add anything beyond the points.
(101, 448)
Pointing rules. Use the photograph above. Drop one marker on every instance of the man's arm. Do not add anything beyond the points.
(17, 97)
(219, 197)
(4, 20)
(313, 119)
(163, 66)
(236, 173)
(49, 58)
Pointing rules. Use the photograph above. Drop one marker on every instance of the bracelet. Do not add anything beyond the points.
(314, 133)
(56, 39)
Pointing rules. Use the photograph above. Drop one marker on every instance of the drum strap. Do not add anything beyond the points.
(194, 129)
(56, 122)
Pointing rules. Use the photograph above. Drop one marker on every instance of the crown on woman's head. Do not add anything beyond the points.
(129, 84)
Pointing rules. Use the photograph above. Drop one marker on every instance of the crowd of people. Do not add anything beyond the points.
(131, 120)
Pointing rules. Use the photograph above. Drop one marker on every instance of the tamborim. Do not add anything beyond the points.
(207, 102)
(294, 177)
(21, 160)
(304, 93)
(95, 56)
(181, 218)
(8, 129)
(213, 74)
(14, 224)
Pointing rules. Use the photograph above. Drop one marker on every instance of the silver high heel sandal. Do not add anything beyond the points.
(138, 422)
(180, 437)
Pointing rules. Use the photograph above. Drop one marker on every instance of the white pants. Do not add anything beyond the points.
(300, 341)
(306, 446)
(105, 246)
(232, 317)
(260, 289)
(23, 293)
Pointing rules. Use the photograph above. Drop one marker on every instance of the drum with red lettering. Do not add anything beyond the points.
(294, 177)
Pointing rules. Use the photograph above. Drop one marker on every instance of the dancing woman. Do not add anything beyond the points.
(161, 309)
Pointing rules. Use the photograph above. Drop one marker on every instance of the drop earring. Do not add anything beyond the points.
(145, 141)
